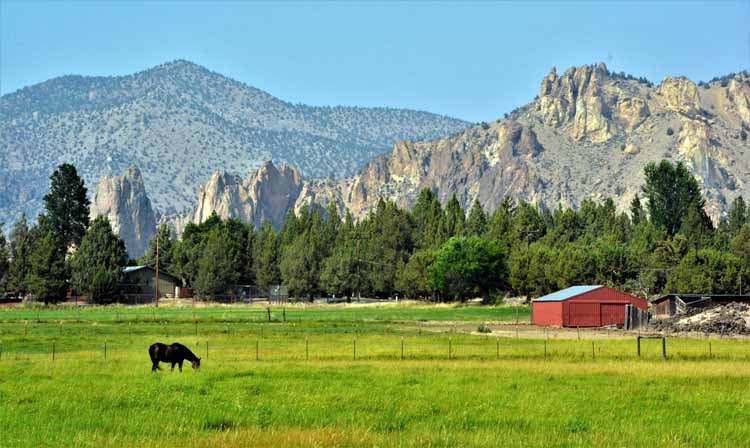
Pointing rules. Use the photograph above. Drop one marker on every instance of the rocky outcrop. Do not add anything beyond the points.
(577, 97)
(265, 195)
(738, 95)
(632, 111)
(680, 95)
(124, 201)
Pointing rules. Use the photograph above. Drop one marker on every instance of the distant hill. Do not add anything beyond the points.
(178, 122)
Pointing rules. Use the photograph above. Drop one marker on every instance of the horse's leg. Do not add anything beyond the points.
(172, 367)
(180, 363)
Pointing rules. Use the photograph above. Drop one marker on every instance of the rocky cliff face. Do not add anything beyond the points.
(265, 195)
(124, 201)
(588, 135)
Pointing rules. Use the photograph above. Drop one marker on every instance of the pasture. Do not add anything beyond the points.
(391, 375)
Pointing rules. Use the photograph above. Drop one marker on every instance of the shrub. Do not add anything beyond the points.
(670, 131)
(484, 328)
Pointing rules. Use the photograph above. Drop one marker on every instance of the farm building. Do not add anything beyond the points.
(670, 304)
(138, 283)
(584, 306)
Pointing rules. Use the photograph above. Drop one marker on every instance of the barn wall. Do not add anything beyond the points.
(600, 307)
(547, 313)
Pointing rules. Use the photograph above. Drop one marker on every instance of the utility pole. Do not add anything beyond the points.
(156, 284)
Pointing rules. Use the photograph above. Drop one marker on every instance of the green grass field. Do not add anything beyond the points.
(336, 376)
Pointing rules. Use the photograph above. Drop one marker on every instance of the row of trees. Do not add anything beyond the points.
(665, 243)
(63, 249)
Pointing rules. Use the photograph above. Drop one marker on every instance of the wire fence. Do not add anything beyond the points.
(242, 344)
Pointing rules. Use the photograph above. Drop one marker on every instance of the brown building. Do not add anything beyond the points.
(671, 304)
(138, 284)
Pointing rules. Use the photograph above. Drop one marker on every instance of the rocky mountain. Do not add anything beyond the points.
(588, 134)
(124, 201)
(179, 122)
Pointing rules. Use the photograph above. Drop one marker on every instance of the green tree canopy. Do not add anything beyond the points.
(96, 267)
(67, 205)
(467, 267)
(670, 192)
(47, 279)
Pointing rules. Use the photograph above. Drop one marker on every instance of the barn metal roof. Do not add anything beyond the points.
(567, 293)
(127, 269)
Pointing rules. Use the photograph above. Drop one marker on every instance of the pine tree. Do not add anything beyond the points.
(96, 267)
(67, 205)
(217, 266)
(476, 224)
(4, 262)
(266, 256)
(670, 192)
(20, 245)
(637, 213)
(455, 217)
(737, 216)
(47, 279)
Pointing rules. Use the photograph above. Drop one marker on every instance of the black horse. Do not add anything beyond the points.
(175, 354)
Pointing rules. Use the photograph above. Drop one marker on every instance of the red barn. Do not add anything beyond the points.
(584, 306)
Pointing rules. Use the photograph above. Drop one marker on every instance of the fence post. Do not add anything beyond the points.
(354, 353)
(450, 348)
(1, 351)
(307, 350)
(664, 347)
(545, 349)
(206, 348)
(283, 314)
(709, 349)
(105, 351)
(268, 309)
(402, 348)
(593, 352)
(497, 354)
(53, 351)
(639, 346)
(257, 348)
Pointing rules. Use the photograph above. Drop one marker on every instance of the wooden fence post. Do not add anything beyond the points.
(206, 348)
(105, 351)
(450, 343)
(639, 346)
(664, 347)
(402, 348)
(307, 350)
(593, 352)
(545, 349)
(53, 351)
(497, 354)
(257, 348)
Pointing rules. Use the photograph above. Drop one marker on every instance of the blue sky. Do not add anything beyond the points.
(470, 60)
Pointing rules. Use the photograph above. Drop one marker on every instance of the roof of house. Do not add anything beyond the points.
(567, 293)
(129, 269)
(692, 298)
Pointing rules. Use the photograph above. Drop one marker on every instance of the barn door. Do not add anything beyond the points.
(613, 314)
(584, 315)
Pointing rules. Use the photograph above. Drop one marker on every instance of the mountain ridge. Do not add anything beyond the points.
(178, 122)
(587, 135)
